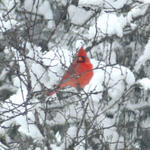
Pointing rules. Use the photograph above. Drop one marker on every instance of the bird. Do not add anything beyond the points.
(78, 74)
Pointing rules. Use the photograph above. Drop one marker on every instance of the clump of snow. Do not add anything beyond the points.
(111, 135)
(3, 146)
(111, 4)
(72, 111)
(41, 7)
(120, 78)
(144, 1)
(55, 59)
(72, 132)
(136, 12)
(6, 25)
(38, 76)
(114, 78)
(25, 128)
(91, 2)
(7, 87)
(9, 4)
(146, 56)
(145, 123)
(145, 83)
(96, 83)
(55, 147)
(58, 137)
(108, 24)
(29, 130)
(78, 15)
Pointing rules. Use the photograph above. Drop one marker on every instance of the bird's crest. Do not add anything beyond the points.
(82, 52)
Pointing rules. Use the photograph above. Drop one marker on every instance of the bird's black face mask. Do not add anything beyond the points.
(81, 59)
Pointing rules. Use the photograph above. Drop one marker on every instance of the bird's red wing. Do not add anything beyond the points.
(85, 74)
(69, 78)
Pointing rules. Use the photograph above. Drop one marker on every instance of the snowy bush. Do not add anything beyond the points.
(38, 42)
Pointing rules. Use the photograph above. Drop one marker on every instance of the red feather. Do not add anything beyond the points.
(79, 73)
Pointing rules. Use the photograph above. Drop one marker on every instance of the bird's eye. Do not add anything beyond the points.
(81, 59)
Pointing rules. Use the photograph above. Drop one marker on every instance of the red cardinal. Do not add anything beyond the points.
(79, 73)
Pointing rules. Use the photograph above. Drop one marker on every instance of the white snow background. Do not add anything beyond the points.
(117, 77)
